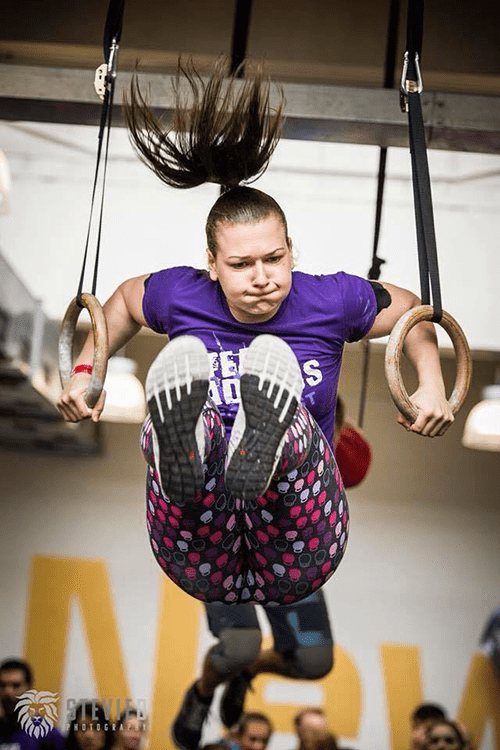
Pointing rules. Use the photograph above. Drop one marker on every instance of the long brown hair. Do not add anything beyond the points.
(226, 134)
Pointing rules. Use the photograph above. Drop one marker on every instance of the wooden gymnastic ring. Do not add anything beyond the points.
(66, 337)
(395, 348)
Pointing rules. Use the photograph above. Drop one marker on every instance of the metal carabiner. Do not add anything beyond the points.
(106, 73)
(113, 59)
(408, 85)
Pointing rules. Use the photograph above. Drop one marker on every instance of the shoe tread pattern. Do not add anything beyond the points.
(180, 466)
(250, 469)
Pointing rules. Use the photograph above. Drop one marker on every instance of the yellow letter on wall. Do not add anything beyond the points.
(176, 652)
(403, 688)
(55, 581)
(481, 699)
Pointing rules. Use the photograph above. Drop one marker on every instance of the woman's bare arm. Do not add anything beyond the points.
(124, 318)
(434, 413)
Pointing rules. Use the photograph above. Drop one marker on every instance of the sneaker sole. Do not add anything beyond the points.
(176, 391)
(271, 387)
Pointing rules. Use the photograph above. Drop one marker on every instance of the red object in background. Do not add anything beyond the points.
(354, 455)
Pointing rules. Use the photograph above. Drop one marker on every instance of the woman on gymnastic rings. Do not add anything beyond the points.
(245, 499)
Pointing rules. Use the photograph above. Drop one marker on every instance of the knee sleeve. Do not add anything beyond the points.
(310, 662)
(237, 648)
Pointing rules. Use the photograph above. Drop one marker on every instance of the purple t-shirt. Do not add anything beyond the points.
(21, 740)
(317, 317)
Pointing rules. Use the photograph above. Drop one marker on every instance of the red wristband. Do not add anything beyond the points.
(82, 368)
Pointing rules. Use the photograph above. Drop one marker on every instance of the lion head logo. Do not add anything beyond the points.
(37, 712)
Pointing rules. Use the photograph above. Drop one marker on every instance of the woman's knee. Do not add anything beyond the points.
(310, 662)
(237, 649)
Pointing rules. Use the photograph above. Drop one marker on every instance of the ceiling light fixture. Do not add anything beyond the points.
(482, 427)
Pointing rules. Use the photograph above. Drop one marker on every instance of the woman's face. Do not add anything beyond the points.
(88, 736)
(131, 734)
(253, 265)
(442, 737)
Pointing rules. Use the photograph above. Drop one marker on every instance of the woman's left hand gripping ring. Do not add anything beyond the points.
(393, 359)
(66, 337)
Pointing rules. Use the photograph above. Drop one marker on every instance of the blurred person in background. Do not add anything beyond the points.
(89, 729)
(28, 716)
(423, 716)
(131, 731)
(444, 735)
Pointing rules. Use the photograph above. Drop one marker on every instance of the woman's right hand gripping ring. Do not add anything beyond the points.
(66, 337)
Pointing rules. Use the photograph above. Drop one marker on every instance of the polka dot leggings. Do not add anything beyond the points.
(274, 550)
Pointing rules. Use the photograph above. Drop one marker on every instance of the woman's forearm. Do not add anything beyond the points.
(421, 349)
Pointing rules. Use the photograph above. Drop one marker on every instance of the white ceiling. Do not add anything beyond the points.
(328, 191)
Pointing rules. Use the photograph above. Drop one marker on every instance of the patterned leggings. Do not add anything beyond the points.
(276, 549)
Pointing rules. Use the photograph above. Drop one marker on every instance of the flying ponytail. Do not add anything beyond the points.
(226, 134)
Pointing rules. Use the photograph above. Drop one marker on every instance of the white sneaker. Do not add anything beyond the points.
(176, 391)
(271, 385)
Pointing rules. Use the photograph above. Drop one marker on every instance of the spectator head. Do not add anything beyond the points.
(426, 711)
(89, 729)
(254, 731)
(421, 719)
(16, 678)
(444, 735)
(311, 726)
(132, 730)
